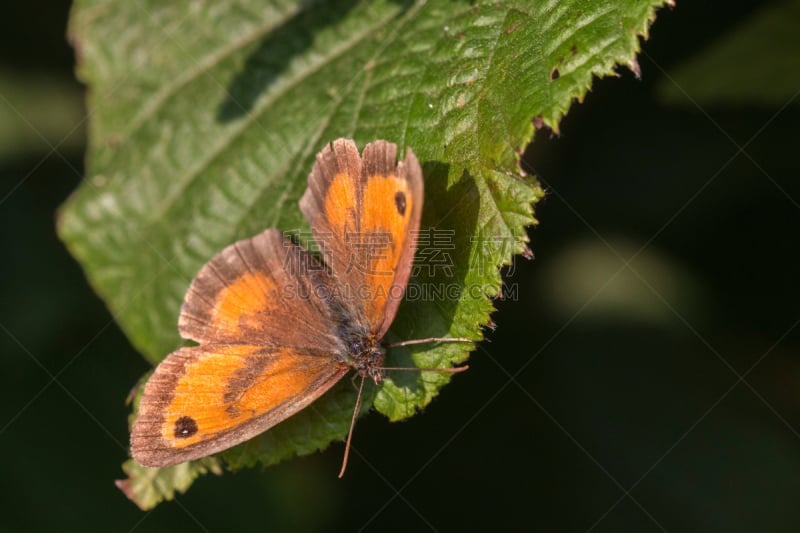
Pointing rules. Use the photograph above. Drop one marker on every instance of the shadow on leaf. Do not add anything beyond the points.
(272, 57)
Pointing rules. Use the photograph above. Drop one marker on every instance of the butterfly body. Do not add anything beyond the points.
(367, 359)
(278, 326)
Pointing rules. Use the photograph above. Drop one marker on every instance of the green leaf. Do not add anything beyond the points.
(206, 118)
(757, 63)
(147, 487)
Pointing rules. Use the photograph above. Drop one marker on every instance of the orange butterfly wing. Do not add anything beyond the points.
(364, 213)
(260, 290)
(268, 338)
(206, 399)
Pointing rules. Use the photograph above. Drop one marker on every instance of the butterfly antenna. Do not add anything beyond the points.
(352, 425)
(453, 370)
(426, 340)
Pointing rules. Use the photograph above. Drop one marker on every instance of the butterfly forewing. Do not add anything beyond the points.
(188, 411)
(269, 336)
(364, 213)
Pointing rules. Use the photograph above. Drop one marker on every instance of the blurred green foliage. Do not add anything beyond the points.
(754, 63)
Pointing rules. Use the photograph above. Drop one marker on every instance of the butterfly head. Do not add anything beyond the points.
(366, 356)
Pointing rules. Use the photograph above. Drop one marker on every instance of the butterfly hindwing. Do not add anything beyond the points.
(259, 290)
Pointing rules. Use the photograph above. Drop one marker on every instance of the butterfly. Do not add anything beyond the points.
(276, 325)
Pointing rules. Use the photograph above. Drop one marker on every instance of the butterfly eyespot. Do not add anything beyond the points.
(400, 202)
(185, 427)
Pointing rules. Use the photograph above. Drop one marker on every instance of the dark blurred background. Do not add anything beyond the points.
(647, 377)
